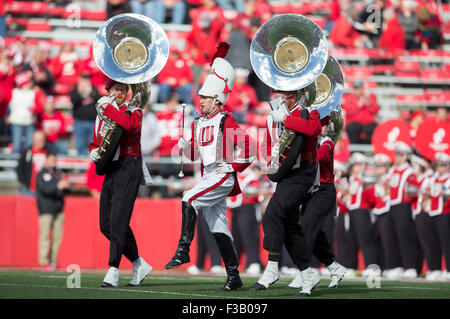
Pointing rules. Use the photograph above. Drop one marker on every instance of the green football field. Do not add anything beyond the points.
(179, 285)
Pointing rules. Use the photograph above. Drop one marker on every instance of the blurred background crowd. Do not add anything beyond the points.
(394, 53)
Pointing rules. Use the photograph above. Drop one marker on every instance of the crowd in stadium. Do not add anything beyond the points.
(32, 80)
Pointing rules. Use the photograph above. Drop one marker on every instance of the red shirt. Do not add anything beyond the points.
(66, 68)
(37, 164)
(130, 143)
(207, 27)
(393, 37)
(343, 34)
(326, 160)
(178, 70)
(169, 126)
(365, 114)
(53, 125)
(242, 98)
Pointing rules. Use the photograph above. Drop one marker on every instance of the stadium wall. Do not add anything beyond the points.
(156, 225)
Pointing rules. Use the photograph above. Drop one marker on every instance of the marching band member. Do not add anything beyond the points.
(322, 203)
(400, 214)
(214, 139)
(280, 221)
(121, 184)
(428, 236)
(439, 204)
(390, 250)
(360, 201)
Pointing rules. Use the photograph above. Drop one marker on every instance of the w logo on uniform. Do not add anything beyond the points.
(206, 135)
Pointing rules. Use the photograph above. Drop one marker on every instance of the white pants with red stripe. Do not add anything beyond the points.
(209, 195)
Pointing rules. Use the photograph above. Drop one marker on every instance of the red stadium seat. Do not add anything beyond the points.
(433, 74)
(406, 66)
(38, 25)
(406, 99)
(93, 14)
(436, 97)
(383, 69)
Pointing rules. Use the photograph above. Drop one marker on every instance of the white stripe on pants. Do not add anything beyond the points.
(209, 195)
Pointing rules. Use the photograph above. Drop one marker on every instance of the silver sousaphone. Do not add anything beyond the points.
(132, 49)
(288, 53)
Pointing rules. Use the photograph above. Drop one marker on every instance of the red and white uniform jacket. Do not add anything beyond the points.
(130, 143)
(423, 182)
(437, 204)
(381, 194)
(212, 145)
(341, 190)
(399, 179)
(360, 197)
(310, 128)
(250, 185)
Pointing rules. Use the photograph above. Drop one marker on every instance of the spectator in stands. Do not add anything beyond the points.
(416, 118)
(393, 36)
(442, 114)
(7, 82)
(65, 68)
(335, 13)
(156, 9)
(344, 34)
(242, 98)
(83, 97)
(89, 67)
(31, 161)
(371, 20)
(409, 21)
(429, 31)
(191, 6)
(176, 76)
(361, 109)
(50, 188)
(239, 40)
(169, 126)
(24, 105)
(5, 5)
(52, 123)
(208, 24)
(115, 7)
(150, 134)
(42, 76)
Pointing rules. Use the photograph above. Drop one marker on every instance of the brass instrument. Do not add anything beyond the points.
(131, 49)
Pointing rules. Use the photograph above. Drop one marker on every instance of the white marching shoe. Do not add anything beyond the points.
(337, 272)
(310, 279)
(270, 276)
(112, 278)
(297, 281)
(410, 273)
(140, 270)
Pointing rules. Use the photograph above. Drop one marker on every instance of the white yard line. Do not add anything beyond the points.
(131, 290)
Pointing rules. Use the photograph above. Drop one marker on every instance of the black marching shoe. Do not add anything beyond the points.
(189, 218)
(231, 261)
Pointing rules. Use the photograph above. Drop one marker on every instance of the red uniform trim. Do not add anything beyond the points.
(203, 192)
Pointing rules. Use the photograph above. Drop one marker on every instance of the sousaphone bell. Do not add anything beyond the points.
(131, 49)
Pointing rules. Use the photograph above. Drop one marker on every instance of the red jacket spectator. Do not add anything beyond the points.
(7, 79)
(242, 98)
(169, 125)
(176, 72)
(52, 123)
(393, 37)
(207, 26)
(89, 66)
(343, 34)
(4, 6)
(66, 66)
(360, 109)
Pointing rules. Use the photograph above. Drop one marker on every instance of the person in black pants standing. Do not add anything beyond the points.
(121, 184)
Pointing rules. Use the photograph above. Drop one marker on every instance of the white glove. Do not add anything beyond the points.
(275, 151)
(224, 168)
(106, 100)
(93, 155)
(278, 115)
(182, 143)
